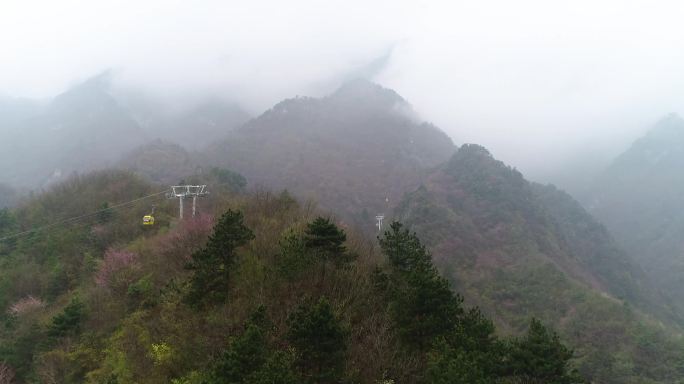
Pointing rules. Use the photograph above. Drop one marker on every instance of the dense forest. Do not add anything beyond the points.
(513, 248)
(474, 272)
(258, 288)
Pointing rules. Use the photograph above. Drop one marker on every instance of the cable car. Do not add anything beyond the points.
(149, 219)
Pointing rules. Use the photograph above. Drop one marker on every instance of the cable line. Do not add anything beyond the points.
(76, 218)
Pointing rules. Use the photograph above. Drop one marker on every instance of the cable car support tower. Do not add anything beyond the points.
(185, 191)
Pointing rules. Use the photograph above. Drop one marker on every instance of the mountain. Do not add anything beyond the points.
(195, 126)
(81, 129)
(159, 161)
(256, 289)
(91, 126)
(355, 151)
(640, 198)
(501, 240)
(106, 300)
(516, 249)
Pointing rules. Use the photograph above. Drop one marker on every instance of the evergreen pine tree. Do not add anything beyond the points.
(326, 240)
(250, 358)
(319, 340)
(541, 356)
(405, 251)
(246, 354)
(422, 304)
(211, 265)
(68, 322)
(469, 354)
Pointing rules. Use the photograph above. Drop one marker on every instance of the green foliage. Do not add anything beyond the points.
(250, 358)
(326, 240)
(405, 252)
(448, 365)
(422, 304)
(105, 214)
(278, 369)
(7, 221)
(211, 265)
(382, 319)
(540, 356)
(69, 321)
(320, 341)
(141, 292)
(471, 352)
(293, 258)
(247, 353)
(517, 249)
(229, 178)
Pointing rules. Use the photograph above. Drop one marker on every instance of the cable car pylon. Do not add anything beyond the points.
(184, 191)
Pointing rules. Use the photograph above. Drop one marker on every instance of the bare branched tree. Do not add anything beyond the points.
(6, 374)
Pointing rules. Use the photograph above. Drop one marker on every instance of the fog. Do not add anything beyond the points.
(542, 84)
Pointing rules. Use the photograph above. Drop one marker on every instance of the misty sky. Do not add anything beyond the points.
(540, 83)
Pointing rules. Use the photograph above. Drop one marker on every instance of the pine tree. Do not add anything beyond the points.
(320, 342)
(541, 356)
(69, 321)
(326, 240)
(251, 359)
(405, 251)
(247, 353)
(211, 265)
(448, 364)
(424, 308)
(422, 304)
(469, 354)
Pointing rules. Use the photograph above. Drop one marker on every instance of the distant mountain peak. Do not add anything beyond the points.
(472, 155)
(667, 128)
(364, 90)
(92, 92)
(661, 146)
(474, 150)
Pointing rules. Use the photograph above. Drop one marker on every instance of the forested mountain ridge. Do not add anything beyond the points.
(640, 197)
(256, 289)
(356, 151)
(515, 248)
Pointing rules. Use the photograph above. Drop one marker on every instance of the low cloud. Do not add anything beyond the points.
(539, 83)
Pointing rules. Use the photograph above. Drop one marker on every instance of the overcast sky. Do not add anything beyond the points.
(540, 83)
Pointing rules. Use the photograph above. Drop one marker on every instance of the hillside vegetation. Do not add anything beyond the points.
(256, 289)
(640, 197)
(102, 298)
(515, 248)
(356, 151)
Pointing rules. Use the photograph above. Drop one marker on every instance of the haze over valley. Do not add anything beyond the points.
(396, 192)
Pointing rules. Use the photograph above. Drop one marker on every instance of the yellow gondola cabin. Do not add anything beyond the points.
(148, 220)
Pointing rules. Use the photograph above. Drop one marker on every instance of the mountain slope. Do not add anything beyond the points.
(105, 299)
(159, 161)
(640, 197)
(90, 126)
(518, 249)
(355, 151)
(195, 125)
(81, 129)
